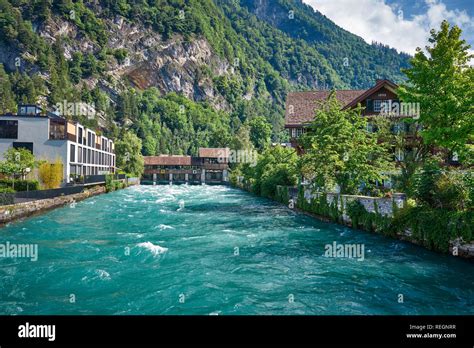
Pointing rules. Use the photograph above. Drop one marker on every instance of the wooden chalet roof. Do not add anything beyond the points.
(300, 106)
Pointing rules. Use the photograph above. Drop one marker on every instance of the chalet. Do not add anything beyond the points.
(210, 166)
(381, 99)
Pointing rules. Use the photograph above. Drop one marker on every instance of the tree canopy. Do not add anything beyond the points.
(442, 81)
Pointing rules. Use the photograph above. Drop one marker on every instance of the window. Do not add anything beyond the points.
(8, 129)
(381, 106)
(377, 105)
(73, 153)
(296, 132)
(79, 137)
(79, 154)
(89, 139)
(57, 130)
(29, 110)
(28, 146)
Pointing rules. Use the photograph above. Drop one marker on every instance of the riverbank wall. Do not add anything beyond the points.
(371, 214)
(12, 212)
(17, 211)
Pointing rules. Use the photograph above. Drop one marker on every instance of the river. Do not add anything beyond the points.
(215, 250)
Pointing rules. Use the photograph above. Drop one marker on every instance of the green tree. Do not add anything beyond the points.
(260, 132)
(18, 162)
(443, 83)
(241, 140)
(129, 156)
(340, 150)
(7, 99)
(275, 166)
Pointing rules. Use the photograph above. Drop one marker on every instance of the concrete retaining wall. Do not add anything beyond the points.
(382, 205)
(21, 210)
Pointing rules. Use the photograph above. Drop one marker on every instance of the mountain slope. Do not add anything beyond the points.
(231, 60)
(357, 63)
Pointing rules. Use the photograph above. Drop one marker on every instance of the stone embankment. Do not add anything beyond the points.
(21, 210)
(380, 205)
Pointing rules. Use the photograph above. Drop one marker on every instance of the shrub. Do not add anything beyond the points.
(368, 221)
(120, 54)
(435, 228)
(20, 185)
(435, 188)
(51, 174)
(282, 194)
(109, 186)
(118, 185)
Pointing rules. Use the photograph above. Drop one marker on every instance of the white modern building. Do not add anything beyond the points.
(48, 136)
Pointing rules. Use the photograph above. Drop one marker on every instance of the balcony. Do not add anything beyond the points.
(57, 130)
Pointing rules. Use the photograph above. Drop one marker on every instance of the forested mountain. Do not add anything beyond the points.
(180, 73)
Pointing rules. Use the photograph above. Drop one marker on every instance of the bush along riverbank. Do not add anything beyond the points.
(435, 211)
(440, 230)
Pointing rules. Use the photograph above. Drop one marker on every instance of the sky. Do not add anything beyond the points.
(402, 24)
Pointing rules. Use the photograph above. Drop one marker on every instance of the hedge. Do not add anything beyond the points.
(20, 185)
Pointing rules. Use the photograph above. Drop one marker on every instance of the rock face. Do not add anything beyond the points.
(171, 66)
(176, 65)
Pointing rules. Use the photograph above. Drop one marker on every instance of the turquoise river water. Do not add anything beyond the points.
(216, 250)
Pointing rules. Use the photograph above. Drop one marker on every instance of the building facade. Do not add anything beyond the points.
(380, 100)
(210, 166)
(49, 137)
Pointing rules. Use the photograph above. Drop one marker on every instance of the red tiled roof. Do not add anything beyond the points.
(166, 160)
(214, 152)
(300, 106)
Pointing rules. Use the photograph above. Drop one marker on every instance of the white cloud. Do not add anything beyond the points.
(374, 20)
